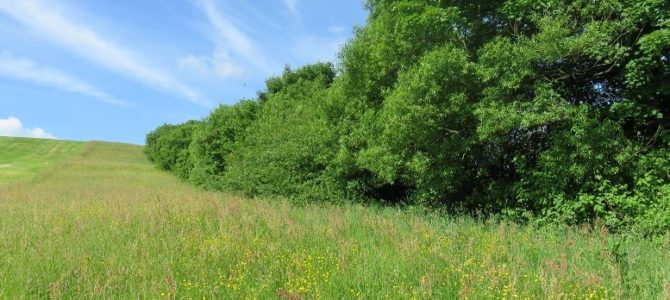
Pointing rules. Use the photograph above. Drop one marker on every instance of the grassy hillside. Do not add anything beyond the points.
(105, 223)
(23, 158)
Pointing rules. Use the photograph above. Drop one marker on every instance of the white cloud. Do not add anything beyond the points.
(336, 30)
(14, 127)
(48, 23)
(219, 64)
(292, 6)
(27, 70)
(232, 39)
(315, 48)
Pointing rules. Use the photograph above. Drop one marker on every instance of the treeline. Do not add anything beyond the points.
(550, 110)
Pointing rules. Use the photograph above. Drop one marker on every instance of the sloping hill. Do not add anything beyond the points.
(104, 223)
(23, 158)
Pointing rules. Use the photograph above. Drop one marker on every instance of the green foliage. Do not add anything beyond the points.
(581, 170)
(218, 136)
(168, 147)
(426, 124)
(555, 111)
(290, 146)
(279, 144)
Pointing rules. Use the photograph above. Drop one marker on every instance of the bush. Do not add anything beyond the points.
(289, 148)
(551, 110)
(218, 136)
(168, 147)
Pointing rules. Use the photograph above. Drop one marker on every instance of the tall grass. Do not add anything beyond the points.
(106, 224)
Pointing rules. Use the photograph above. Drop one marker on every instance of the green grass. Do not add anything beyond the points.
(23, 158)
(105, 223)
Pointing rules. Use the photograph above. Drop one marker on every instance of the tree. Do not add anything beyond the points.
(218, 136)
(553, 109)
(168, 147)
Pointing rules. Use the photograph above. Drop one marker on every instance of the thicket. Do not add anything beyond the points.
(557, 111)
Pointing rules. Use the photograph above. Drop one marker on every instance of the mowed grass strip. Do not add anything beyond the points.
(23, 158)
(107, 224)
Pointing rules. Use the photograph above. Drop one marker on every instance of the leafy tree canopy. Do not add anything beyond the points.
(555, 110)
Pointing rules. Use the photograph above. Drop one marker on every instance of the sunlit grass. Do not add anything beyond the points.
(105, 223)
(23, 158)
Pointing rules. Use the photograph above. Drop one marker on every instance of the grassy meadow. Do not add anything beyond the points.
(99, 221)
(23, 158)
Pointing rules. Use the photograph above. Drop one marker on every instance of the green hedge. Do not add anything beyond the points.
(556, 111)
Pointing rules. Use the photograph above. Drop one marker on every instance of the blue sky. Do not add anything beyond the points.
(114, 70)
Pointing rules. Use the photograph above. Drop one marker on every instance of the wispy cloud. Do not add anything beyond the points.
(292, 6)
(230, 38)
(336, 30)
(14, 127)
(219, 64)
(45, 20)
(317, 48)
(28, 70)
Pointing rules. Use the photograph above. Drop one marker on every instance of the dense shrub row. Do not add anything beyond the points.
(555, 110)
